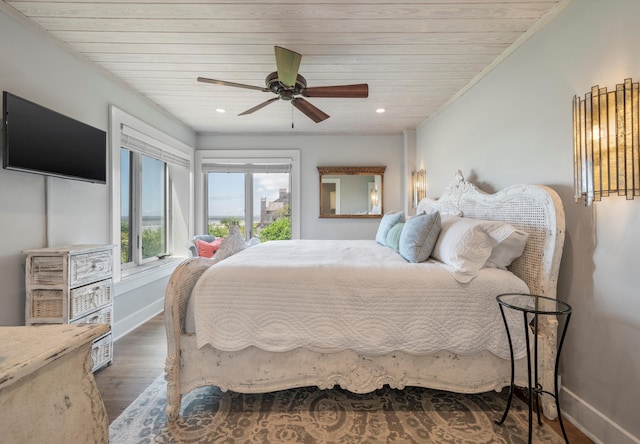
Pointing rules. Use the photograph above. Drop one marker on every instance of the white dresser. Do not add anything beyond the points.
(72, 284)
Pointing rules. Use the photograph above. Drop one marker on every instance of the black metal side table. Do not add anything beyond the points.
(534, 306)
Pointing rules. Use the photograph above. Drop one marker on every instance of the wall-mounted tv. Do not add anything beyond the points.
(39, 140)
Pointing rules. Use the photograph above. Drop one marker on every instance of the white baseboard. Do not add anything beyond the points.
(135, 320)
(132, 291)
(599, 428)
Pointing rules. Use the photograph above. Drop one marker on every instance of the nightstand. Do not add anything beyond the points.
(532, 307)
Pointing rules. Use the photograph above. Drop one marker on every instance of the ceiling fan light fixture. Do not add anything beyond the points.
(275, 85)
(288, 85)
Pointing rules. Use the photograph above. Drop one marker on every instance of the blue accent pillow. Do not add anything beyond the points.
(387, 222)
(393, 236)
(419, 236)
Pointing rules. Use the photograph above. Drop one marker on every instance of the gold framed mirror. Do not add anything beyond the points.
(351, 192)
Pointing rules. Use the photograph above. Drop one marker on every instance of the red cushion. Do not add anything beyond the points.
(208, 249)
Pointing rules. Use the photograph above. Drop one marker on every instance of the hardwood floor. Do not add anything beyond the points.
(139, 360)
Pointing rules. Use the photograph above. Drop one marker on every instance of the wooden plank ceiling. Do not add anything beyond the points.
(415, 55)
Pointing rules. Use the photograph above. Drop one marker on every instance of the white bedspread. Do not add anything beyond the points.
(329, 296)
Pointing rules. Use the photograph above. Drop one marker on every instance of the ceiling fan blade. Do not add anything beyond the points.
(237, 85)
(288, 63)
(309, 110)
(359, 91)
(257, 107)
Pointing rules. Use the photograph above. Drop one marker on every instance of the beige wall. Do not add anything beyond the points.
(515, 126)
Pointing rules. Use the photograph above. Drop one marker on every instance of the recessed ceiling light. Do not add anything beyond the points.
(380, 110)
(220, 110)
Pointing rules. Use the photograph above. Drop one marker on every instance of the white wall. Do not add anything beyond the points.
(329, 151)
(515, 126)
(38, 70)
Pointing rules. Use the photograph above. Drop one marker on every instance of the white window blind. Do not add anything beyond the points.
(247, 165)
(141, 143)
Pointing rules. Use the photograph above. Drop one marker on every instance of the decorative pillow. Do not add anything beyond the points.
(387, 222)
(208, 249)
(467, 244)
(418, 236)
(393, 236)
(231, 244)
(509, 249)
(464, 245)
(444, 207)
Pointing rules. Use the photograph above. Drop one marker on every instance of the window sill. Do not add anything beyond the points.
(135, 277)
(126, 273)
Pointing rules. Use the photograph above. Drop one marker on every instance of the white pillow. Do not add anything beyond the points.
(469, 244)
(386, 223)
(509, 249)
(464, 245)
(231, 244)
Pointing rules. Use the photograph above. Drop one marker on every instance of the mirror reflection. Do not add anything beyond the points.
(351, 191)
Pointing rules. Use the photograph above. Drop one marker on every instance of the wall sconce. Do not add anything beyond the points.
(373, 197)
(419, 185)
(606, 136)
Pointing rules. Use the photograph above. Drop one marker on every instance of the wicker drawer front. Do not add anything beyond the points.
(47, 304)
(90, 267)
(101, 352)
(47, 270)
(83, 300)
(72, 284)
(102, 316)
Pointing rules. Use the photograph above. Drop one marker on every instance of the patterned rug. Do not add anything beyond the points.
(310, 415)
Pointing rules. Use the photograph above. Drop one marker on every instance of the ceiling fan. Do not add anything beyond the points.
(287, 84)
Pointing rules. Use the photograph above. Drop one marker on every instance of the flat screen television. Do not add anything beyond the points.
(39, 140)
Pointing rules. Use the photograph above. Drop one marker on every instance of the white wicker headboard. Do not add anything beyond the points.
(535, 209)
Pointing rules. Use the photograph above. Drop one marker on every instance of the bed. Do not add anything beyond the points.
(288, 349)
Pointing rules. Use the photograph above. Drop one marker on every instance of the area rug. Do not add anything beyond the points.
(310, 415)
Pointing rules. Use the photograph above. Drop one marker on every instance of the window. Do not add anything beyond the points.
(125, 206)
(258, 202)
(152, 196)
(259, 190)
(226, 203)
(154, 206)
(143, 207)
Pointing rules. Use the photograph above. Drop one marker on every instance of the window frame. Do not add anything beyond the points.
(204, 157)
(162, 147)
(135, 210)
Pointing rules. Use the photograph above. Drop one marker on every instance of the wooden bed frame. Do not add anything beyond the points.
(532, 208)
